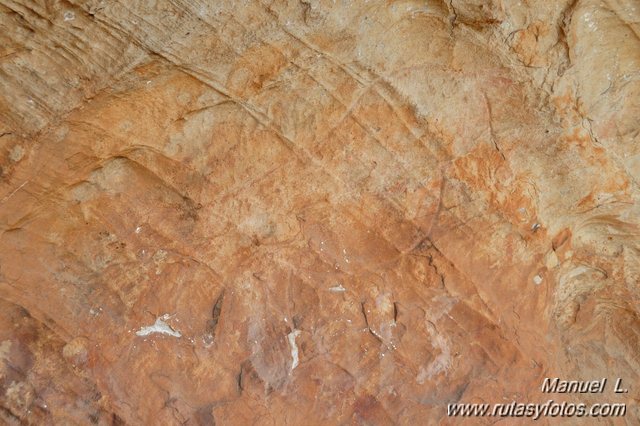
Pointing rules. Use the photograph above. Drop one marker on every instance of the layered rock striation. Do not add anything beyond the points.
(315, 212)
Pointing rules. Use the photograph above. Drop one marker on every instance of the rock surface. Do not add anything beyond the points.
(315, 212)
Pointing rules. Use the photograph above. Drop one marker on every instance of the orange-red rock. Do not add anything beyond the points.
(315, 212)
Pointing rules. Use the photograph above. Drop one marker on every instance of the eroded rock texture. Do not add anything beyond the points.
(314, 212)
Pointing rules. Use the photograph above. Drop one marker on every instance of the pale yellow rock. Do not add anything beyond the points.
(551, 259)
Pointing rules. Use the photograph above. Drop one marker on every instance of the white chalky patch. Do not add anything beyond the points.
(442, 361)
(294, 348)
(338, 289)
(537, 279)
(159, 327)
(16, 153)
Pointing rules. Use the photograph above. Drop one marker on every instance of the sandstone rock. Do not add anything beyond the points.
(76, 351)
(334, 212)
